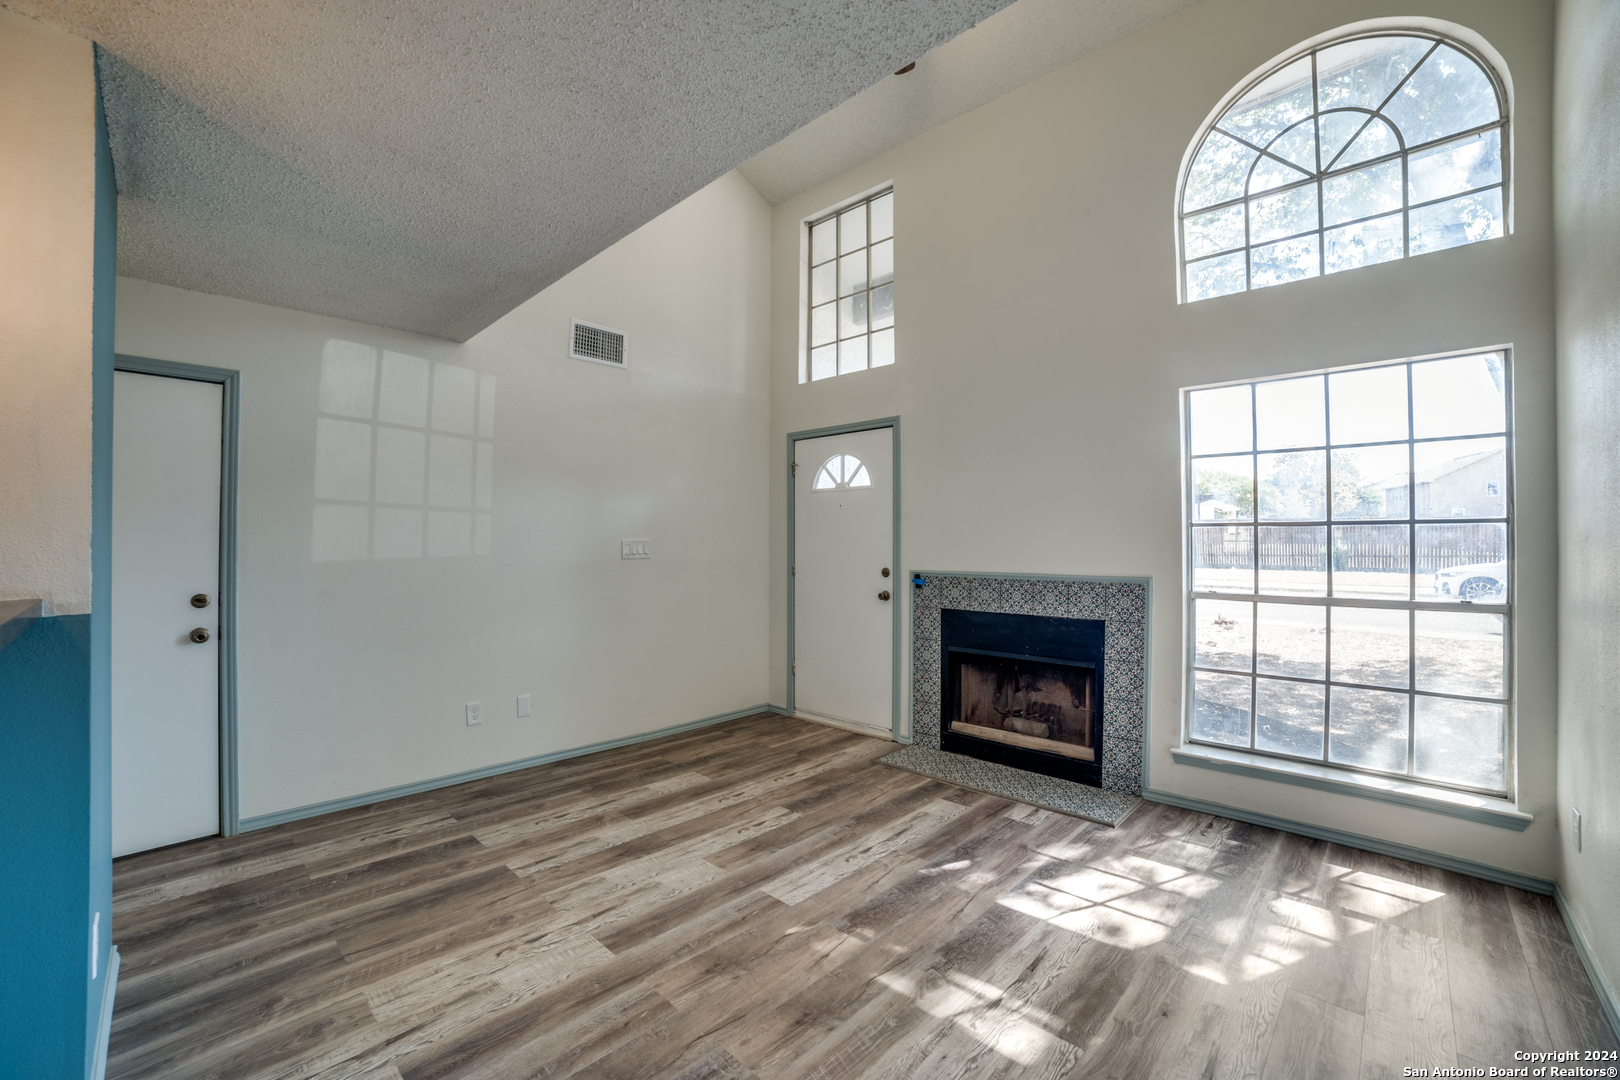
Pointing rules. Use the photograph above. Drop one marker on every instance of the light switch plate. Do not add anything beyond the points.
(524, 708)
(635, 549)
(475, 713)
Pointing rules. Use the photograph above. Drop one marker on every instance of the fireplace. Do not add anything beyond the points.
(1024, 691)
(1096, 625)
(1037, 704)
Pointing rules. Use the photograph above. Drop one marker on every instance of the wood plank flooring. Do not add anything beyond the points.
(761, 900)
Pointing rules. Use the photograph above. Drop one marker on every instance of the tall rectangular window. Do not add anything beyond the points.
(850, 292)
(1349, 581)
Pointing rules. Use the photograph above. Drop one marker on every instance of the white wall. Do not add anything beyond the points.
(1586, 168)
(47, 232)
(1041, 349)
(354, 669)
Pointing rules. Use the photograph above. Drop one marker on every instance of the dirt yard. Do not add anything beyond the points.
(1455, 653)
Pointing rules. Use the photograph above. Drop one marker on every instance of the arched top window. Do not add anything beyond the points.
(841, 471)
(1361, 151)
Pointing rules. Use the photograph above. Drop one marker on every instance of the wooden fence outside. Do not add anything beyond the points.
(1368, 548)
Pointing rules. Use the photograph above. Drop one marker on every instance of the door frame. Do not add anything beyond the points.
(231, 381)
(892, 423)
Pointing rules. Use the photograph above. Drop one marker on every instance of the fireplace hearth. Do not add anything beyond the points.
(1119, 606)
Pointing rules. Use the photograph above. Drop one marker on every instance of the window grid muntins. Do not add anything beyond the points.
(850, 289)
(841, 472)
(1455, 129)
(1349, 591)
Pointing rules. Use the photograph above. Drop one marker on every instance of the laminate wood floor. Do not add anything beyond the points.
(760, 900)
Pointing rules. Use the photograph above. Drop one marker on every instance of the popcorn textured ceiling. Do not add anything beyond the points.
(1018, 45)
(430, 166)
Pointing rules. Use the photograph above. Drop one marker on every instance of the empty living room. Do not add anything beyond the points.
(722, 540)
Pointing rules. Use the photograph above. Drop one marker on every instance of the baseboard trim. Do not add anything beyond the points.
(845, 725)
(109, 991)
(1600, 981)
(1483, 871)
(299, 813)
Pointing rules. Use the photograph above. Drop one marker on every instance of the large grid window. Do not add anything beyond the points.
(1350, 556)
(850, 294)
(1362, 151)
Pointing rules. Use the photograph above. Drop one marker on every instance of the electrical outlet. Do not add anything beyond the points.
(1575, 816)
(524, 707)
(635, 549)
(475, 713)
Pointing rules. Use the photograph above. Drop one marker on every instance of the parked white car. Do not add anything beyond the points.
(1484, 583)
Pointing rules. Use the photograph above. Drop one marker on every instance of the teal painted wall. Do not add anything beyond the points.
(56, 772)
(45, 797)
(100, 748)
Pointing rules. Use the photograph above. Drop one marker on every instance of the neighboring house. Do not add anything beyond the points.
(1216, 510)
(1464, 487)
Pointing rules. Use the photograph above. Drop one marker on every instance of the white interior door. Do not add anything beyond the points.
(165, 551)
(843, 603)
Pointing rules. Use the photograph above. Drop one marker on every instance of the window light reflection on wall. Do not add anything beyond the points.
(404, 456)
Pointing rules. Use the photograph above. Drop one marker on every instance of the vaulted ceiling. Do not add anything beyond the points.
(431, 165)
(1015, 46)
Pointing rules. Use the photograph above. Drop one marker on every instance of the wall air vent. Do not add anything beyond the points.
(597, 344)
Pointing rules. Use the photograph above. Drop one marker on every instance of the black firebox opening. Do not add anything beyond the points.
(1024, 691)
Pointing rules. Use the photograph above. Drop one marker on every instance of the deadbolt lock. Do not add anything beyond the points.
(884, 595)
(200, 600)
(885, 571)
(199, 635)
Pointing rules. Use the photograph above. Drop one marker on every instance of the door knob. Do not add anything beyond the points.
(884, 595)
(199, 635)
(885, 571)
(200, 600)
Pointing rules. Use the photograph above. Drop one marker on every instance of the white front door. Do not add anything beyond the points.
(843, 602)
(165, 552)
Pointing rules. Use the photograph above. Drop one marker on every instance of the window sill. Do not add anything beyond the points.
(1480, 808)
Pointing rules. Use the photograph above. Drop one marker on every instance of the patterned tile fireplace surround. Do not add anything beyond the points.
(1120, 603)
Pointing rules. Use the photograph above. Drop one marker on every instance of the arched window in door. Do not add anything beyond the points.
(841, 471)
